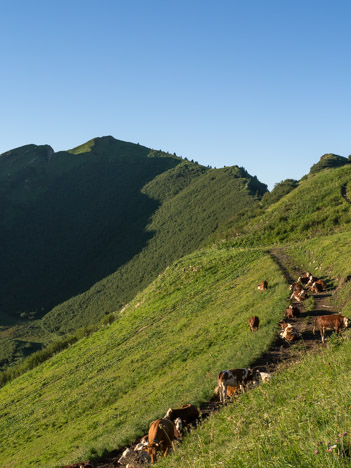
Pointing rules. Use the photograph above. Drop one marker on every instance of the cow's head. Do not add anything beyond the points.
(152, 449)
(346, 322)
(128, 456)
(254, 374)
(169, 414)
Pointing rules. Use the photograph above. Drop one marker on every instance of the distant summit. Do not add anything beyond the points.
(329, 161)
(27, 151)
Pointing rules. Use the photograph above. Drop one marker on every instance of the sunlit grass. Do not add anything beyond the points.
(165, 350)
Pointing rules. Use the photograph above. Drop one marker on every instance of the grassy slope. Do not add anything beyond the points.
(281, 424)
(165, 350)
(307, 406)
(197, 298)
(193, 203)
(312, 209)
(115, 215)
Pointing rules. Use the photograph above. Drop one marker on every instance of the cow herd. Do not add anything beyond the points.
(306, 284)
(163, 432)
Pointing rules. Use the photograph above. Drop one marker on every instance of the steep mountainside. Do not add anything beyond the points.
(168, 345)
(83, 230)
(70, 219)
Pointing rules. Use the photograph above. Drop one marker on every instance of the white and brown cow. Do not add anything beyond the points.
(234, 378)
(289, 333)
(262, 286)
(303, 279)
(187, 413)
(254, 322)
(298, 296)
(329, 322)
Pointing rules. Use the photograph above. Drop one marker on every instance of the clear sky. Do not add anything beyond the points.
(263, 84)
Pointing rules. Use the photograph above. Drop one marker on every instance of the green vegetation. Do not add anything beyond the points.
(314, 208)
(329, 161)
(179, 226)
(279, 191)
(164, 350)
(99, 223)
(294, 420)
(98, 389)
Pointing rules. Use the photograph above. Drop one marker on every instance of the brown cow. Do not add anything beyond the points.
(187, 413)
(322, 283)
(296, 287)
(161, 436)
(254, 322)
(262, 286)
(231, 391)
(316, 288)
(235, 377)
(329, 322)
(292, 312)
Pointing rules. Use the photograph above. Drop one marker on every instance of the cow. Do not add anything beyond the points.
(322, 283)
(316, 288)
(289, 333)
(329, 322)
(161, 436)
(296, 287)
(235, 377)
(298, 296)
(254, 322)
(311, 280)
(133, 459)
(187, 413)
(303, 279)
(262, 286)
(283, 324)
(292, 312)
(231, 391)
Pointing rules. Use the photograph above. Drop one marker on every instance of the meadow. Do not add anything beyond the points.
(165, 349)
(300, 419)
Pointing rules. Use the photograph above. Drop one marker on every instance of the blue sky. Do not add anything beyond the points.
(263, 84)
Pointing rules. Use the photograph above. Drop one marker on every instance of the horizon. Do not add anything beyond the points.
(264, 87)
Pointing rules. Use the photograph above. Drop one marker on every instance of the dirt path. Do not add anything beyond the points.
(278, 352)
(344, 193)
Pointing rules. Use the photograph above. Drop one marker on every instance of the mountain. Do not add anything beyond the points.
(166, 347)
(82, 231)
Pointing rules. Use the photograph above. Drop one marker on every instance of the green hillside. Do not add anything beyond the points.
(305, 411)
(315, 207)
(83, 231)
(75, 217)
(165, 349)
(167, 345)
